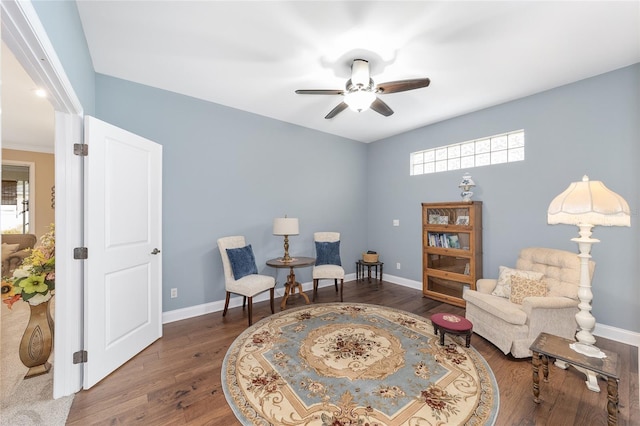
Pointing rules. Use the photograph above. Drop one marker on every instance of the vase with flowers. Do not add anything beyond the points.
(34, 282)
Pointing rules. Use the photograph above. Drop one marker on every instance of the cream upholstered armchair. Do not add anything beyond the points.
(539, 295)
(15, 248)
(241, 274)
(328, 264)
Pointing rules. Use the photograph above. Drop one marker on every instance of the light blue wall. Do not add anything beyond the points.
(228, 172)
(62, 24)
(590, 127)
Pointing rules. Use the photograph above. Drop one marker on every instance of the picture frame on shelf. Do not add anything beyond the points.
(434, 219)
(462, 220)
(443, 220)
(452, 240)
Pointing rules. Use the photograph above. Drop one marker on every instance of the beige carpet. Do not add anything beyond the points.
(25, 402)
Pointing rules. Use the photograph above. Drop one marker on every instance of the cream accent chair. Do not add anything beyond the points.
(512, 327)
(247, 286)
(14, 259)
(327, 272)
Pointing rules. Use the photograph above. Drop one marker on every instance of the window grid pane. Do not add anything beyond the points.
(483, 146)
(498, 149)
(498, 157)
(468, 148)
(441, 166)
(516, 154)
(453, 164)
(467, 162)
(430, 168)
(483, 160)
(453, 151)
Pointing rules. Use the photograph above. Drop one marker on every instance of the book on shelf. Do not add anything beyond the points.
(443, 240)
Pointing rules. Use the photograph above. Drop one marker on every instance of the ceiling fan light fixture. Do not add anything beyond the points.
(359, 100)
(361, 93)
(360, 72)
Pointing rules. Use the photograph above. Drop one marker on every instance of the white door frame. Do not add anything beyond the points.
(25, 35)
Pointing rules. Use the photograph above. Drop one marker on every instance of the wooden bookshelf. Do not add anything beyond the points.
(451, 250)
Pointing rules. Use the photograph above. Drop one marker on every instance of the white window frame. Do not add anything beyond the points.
(497, 149)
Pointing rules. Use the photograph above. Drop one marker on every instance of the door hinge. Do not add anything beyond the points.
(81, 149)
(80, 357)
(81, 253)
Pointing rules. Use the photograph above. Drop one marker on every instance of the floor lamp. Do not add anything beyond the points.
(586, 204)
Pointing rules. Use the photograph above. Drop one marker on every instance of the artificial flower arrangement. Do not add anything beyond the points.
(34, 281)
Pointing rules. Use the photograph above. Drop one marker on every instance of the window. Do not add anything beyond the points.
(504, 148)
(15, 199)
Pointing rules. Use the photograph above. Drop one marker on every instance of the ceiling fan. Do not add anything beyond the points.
(361, 92)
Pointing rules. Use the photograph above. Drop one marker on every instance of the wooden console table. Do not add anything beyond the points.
(547, 345)
(292, 284)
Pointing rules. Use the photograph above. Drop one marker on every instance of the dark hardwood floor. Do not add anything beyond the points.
(176, 380)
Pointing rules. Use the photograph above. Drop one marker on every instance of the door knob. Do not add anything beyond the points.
(155, 251)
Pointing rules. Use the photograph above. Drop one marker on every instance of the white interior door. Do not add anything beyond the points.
(123, 272)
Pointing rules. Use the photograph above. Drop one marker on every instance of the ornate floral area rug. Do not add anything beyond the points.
(355, 364)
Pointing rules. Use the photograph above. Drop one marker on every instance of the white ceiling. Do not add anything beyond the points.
(253, 55)
(27, 120)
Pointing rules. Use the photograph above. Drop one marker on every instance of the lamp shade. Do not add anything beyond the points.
(467, 181)
(285, 226)
(589, 202)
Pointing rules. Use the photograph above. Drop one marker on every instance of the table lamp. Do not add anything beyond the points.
(466, 185)
(585, 204)
(286, 226)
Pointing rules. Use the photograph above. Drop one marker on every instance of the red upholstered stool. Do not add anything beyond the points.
(452, 324)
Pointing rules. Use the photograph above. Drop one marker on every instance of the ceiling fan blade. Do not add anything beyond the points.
(337, 110)
(402, 85)
(320, 92)
(380, 107)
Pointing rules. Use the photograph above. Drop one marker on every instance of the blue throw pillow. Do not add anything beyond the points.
(242, 261)
(328, 253)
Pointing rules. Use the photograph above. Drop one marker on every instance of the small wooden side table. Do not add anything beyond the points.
(547, 345)
(292, 284)
(361, 264)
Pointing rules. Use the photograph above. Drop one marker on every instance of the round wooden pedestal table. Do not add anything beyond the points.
(452, 324)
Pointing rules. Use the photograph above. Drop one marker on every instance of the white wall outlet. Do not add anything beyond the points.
(174, 293)
(396, 222)
(398, 265)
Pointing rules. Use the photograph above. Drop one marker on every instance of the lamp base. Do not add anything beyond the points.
(587, 350)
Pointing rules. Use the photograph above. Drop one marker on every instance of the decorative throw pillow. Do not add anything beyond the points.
(523, 287)
(503, 288)
(328, 253)
(243, 262)
(8, 249)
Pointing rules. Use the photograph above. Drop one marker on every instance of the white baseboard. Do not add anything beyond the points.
(602, 330)
(608, 332)
(618, 334)
(234, 302)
